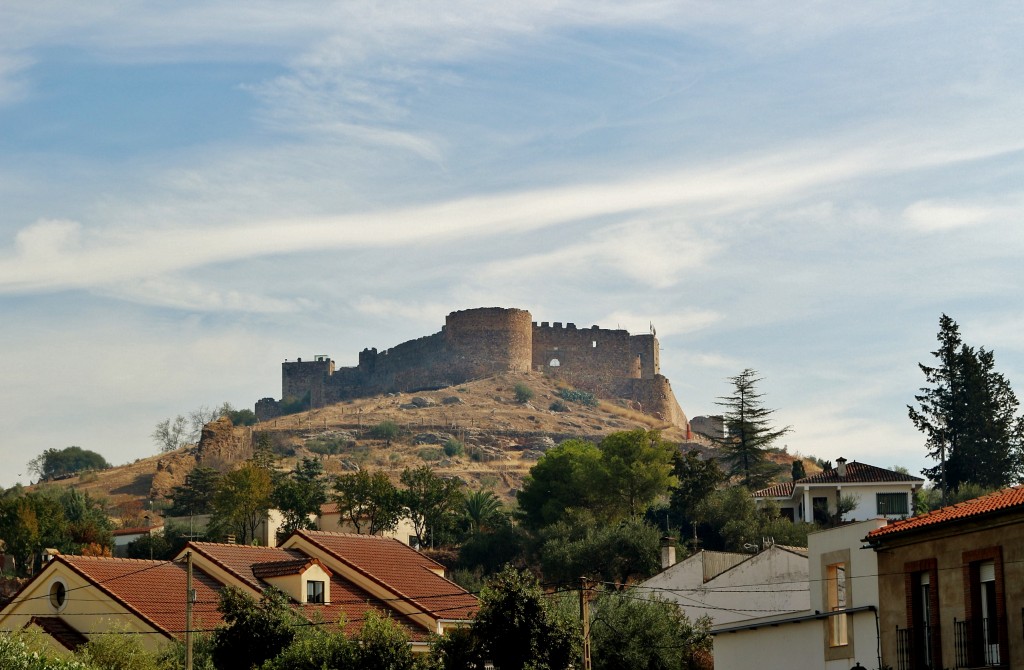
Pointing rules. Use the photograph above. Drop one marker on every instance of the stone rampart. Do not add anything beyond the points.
(476, 343)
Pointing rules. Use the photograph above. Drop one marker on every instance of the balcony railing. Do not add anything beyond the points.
(914, 648)
(977, 642)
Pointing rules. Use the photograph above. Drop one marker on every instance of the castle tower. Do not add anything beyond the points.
(488, 340)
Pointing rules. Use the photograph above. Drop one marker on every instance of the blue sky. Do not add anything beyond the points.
(192, 193)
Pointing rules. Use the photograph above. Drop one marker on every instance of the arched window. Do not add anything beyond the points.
(554, 363)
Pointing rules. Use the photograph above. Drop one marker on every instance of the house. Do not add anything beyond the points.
(125, 536)
(330, 519)
(730, 587)
(876, 492)
(955, 577)
(836, 631)
(328, 577)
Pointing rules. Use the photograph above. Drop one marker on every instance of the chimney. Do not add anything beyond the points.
(668, 552)
(841, 467)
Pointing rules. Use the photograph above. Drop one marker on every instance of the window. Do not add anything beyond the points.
(892, 503)
(58, 595)
(981, 637)
(919, 644)
(315, 592)
(835, 574)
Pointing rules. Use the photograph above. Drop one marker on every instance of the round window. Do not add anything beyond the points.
(58, 595)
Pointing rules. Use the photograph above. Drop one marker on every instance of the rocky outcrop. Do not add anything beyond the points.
(171, 471)
(221, 445)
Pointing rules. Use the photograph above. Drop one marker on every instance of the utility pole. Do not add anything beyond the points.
(189, 598)
(585, 617)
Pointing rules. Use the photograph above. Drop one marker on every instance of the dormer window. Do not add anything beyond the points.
(315, 592)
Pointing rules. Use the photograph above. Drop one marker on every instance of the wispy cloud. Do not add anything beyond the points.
(50, 255)
(937, 215)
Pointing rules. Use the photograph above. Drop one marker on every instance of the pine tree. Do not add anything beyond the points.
(968, 415)
(749, 433)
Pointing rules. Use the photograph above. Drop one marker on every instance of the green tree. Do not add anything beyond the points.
(632, 630)
(433, 503)
(798, 471)
(117, 650)
(517, 628)
(197, 494)
(637, 469)
(171, 434)
(54, 463)
(729, 520)
(386, 430)
(968, 415)
(616, 553)
(87, 521)
(483, 511)
(382, 644)
(749, 433)
(254, 632)
(368, 501)
(618, 478)
(696, 479)
(299, 495)
(562, 479)
(243, 500)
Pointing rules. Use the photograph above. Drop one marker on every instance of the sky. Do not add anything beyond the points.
(193, 192)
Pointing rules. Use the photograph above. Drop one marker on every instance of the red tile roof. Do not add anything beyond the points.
(348, 601)
(856, 473)
(138, 530)
(993, 502)
(239, 559)
(783, 490)
(400, 568)
(283, 568)
(154, 590)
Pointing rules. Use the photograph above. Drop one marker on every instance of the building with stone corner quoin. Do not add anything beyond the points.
(477, 343)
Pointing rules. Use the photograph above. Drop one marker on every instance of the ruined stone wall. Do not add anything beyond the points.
(593, 358)
(488, 340)
(476, 343)
(654, 397)
(300, 376)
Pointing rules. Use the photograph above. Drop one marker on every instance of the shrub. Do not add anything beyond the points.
(454, 447)
(523, 393)
(385, 430)
(431, 454)
(559, 406)
(582, 397)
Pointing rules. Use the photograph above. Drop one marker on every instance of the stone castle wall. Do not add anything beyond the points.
(476, 343)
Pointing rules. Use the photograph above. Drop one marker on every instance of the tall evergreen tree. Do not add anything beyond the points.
(749, 433)
(968, 416)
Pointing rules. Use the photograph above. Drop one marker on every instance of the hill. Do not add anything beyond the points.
(501, 437)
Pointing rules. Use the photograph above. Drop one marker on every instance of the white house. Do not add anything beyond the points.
(836, 631)
(730, 587)
(876, 491)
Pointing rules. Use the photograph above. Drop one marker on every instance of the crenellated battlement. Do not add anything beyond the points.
(475, 343)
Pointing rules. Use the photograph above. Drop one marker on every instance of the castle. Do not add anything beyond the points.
(476, 343)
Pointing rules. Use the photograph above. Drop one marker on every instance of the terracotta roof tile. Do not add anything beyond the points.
(155, 590)
(1000, 500)
(138, 530)
(240, 559)
(858, 473)
(402, 569)
(282, 568)
(783, 490)
(348, 601)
